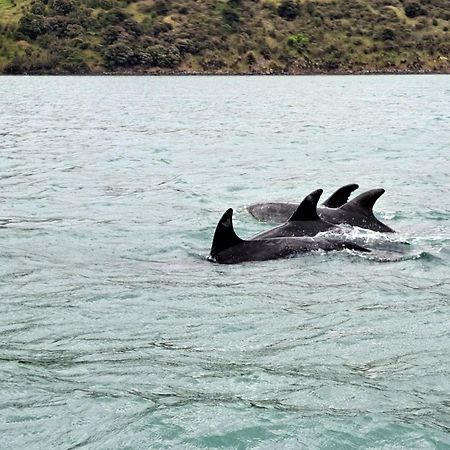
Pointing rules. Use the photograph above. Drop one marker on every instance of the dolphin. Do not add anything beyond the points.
(280, 212)
(303, 222)
(228, 248)
(356, 212)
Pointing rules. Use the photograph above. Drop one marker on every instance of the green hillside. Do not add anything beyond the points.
(230, 36)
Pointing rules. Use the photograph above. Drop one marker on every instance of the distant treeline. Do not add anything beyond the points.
(230, 36)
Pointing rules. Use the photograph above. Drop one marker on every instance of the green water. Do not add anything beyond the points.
(116, 333)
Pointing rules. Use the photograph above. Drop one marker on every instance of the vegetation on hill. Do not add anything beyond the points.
(228, 36)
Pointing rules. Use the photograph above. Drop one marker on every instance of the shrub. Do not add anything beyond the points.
(59, 25)
(310, 8)
(62, 7)
(112, 33)
(159, 56)
(37, 8)
(331, 64)
(161, 27)
(388, 34)
(266, 52)
(186, 46)
(250, 58)
(119, 55)
(162, 7)
(414, 10)
(32, 25)
(230, 16)
(113, 17)
(212, 63)
(288, 9)
(132, 27)
(298, 41)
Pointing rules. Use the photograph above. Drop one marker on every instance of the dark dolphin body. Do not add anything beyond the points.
(228, 248)
(303, 222)
(277, 212)
(357, 212)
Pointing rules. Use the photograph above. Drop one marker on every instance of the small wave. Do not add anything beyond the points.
(392, 215)
(390, 257)
(433, 215)
(372, 239)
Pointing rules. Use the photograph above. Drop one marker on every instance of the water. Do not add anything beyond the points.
(116, 333)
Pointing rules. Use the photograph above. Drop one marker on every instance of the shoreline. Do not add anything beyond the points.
(162, 72)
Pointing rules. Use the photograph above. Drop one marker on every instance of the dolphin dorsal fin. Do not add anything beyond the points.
(307, 210)
(340, 197)
(363, 204)
(224, 236)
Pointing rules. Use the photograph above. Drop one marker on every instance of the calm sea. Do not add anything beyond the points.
(116, 333)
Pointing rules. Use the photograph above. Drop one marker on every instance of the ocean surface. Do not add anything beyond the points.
(116, 333)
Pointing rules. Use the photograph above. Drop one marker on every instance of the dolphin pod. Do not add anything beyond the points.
(335, 210)
(302, 223)
(228, 248)
(280, 212)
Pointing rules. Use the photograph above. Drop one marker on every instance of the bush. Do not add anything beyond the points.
(266, 52)
(298, 41)
(32, 25)
(289, 9)
(186, 46)
(331, 64)
(113, 17)
(56, 25)
(162, 7)
(112, 34)
(38, 8)
(388, 34)
(250, 58)
(159, 56)
(414, 10)
(62, 7)
(230, 16)
(161, 27)
(119, 55)
(212, 63)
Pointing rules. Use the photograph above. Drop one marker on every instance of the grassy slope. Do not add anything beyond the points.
(234, 36)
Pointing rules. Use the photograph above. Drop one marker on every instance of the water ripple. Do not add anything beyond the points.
(116, 331)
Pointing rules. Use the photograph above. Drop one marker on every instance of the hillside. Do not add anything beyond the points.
(232, 36)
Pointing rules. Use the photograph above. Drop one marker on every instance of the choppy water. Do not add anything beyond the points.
(116, 333)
